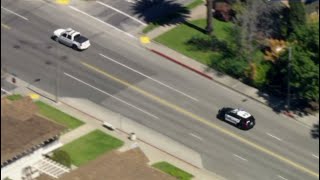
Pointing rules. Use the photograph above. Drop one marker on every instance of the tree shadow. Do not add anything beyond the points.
(202, 30)
(315, 131)
(161, 12)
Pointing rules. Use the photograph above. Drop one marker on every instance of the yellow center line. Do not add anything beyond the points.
(5, 26)
(207, 122)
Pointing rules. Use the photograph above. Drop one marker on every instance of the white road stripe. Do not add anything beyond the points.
(198, 137)
(78, 10)
(274, 136)
(123, 13)
(240, 157)
(148, 77)
(15, 13)
(132, 1)
(282, 177)
(315, 156)
(7, 92)
(111, 96)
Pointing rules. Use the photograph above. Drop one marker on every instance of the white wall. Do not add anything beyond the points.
(14, 170)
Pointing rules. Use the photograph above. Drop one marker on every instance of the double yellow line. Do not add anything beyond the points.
(198, 118)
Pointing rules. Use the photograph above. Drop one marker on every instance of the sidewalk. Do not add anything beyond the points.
(156, 146)
(220, 78)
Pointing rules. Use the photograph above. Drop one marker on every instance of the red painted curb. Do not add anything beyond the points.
(181, 64)
(289, 114)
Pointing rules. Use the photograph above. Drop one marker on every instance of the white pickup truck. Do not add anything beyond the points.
(71, 38)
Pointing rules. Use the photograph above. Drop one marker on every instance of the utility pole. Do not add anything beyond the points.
(288, 78)
(57, 78)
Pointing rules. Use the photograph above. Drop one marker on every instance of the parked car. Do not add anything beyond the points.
(236, 116)
(71, 38)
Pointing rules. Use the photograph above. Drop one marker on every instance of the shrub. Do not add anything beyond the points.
(62, 157)
(235, 66)
(260, 78)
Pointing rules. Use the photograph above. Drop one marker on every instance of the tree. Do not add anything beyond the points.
(209, 28)
(254, 19)
(297, 15)
(304, 79)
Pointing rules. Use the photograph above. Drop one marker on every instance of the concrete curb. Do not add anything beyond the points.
(181, 64)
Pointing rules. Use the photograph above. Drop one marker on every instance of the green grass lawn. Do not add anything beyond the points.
(173, 171)
(176, 39)
(14, 97)
(194, 4)
(90, 146)
(58, 116)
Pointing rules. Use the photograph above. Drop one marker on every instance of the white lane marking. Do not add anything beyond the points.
(315, 156)
(240, 157)
(132, 1)
(78, 10)
(123, 13)
(148, 77)
(111, 96)
(198, 137)
(274, 136)
(282, 177)
(15, 13)
(7, 92)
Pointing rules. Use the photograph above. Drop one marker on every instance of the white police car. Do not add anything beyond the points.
(71, 38)
(238, 117)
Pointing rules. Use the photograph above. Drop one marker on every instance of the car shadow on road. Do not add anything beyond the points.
(161, 12)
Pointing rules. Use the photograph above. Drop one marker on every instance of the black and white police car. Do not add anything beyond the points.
(238, 117)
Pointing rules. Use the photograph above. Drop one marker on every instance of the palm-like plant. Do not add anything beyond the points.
(209, 28)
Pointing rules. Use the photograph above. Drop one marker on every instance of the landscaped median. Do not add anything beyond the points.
(90, 146)
(173, 171)
(52, 113)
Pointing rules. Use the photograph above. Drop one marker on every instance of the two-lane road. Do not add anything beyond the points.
(116, 73)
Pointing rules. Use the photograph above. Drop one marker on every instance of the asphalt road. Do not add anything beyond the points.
(117, 73)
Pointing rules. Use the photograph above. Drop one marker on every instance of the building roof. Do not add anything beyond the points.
(114, 165)
(22, 129)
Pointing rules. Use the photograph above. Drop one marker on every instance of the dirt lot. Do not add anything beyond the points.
(129, 165)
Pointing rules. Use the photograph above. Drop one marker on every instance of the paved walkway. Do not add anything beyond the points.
(222, 79)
